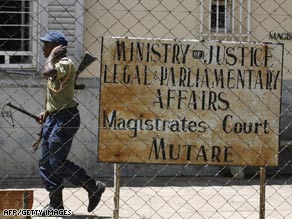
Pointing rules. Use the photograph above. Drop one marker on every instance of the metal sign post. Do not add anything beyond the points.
(262, 191)
(117, 173)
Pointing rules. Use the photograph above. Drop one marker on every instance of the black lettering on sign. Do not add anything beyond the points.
(160, 150)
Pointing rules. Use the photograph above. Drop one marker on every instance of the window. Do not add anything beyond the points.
(225, 19)
(220, 16)
(16, 27)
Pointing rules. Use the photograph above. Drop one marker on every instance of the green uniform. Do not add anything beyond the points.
(60, 89)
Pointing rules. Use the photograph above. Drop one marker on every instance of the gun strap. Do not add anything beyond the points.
(62, 83)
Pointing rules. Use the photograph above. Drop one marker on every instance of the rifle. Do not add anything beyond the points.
(87, 59)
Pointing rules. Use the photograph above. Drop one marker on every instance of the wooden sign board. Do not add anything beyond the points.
(189, 102)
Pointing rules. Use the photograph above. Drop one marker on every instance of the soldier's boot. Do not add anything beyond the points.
(56, 200)
(95, 190)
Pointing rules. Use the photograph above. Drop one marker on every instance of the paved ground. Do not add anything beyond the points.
(175, 198)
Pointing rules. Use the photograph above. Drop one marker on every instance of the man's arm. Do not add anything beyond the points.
(56, 54)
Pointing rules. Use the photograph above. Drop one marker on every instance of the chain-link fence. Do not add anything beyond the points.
(145, 86)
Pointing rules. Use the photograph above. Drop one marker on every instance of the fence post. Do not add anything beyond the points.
(262, 191)
(117, 173)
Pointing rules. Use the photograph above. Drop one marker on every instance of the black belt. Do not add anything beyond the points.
(71, 109)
